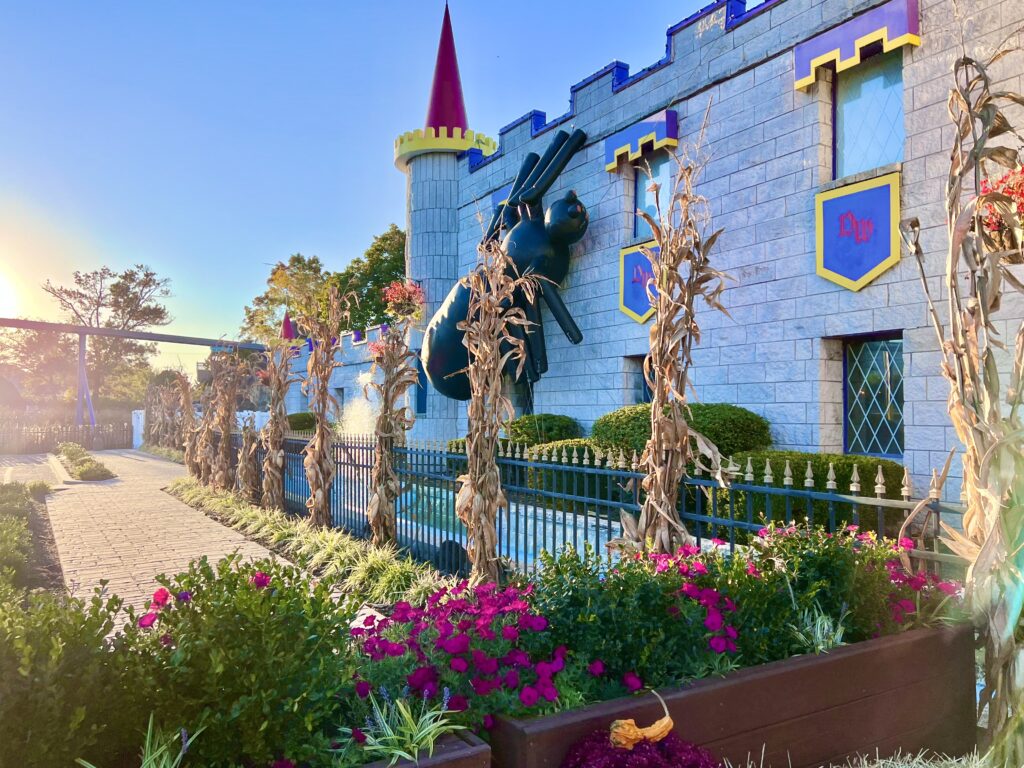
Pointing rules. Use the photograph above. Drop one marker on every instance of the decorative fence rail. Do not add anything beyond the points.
(21, 438)
(576, 499)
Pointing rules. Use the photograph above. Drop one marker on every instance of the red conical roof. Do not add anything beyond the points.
(287, 329)
(447, 109)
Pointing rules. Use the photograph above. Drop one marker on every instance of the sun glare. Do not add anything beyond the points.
(8, 297)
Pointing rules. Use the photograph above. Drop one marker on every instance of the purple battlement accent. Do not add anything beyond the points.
(736, 13)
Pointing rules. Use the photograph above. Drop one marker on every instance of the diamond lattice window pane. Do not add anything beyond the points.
(869, 115)
(873, 397)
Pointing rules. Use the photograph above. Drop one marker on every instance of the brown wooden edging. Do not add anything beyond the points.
(911, 691)
(460, 750)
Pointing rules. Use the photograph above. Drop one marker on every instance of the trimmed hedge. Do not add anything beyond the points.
(301, 422)
(543, 428)
(731, 428)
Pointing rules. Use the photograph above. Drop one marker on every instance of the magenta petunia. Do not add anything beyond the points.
(596, 668)
(510, 633)
(358, 736)
(363, 689)
(511, 679)
(719, 644)
(283, 763)
(160, 598)
(458, 664)
(455, 644)
(260, 580)
(713, 621)
(632, 681)
(488, 722)
(529, 696)
(147, 620)
(458, 704)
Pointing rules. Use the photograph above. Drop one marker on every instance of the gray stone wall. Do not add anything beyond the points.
(768, 150)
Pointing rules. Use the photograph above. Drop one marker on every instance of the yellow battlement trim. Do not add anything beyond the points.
(422, 140)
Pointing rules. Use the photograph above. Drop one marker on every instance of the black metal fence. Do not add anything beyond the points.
(25, 438)
(577, 499)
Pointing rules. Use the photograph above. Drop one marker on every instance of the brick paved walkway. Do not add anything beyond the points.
(25, 468)
(127, 530)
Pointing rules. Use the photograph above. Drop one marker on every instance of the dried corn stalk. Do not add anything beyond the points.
(324, 328)
(206, 450)
(248, 469)
(391, 356)
(277, 376)
(681, 273)
(187, 422)
(168, 435)
(987, 421)
(494, 337)
(228, 375)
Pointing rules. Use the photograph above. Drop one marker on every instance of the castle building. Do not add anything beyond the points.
(826, 125)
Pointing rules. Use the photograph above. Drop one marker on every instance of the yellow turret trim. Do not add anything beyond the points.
(424, 140)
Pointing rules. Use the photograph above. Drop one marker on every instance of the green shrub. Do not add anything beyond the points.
(255, 652)
(731, 428)
(39, 489)
(90, 469)
(171, 454)
(71, 451)
(301, 422)
(15, 500)
(542, 428)
(65, 688)
(15, 548)
(867, 469)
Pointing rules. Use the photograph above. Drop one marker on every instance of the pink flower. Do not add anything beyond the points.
(533, 622)
(511, 679)
(947, 587)
(421, 677)
(699, 567)
(752, 570)
(484, 663)
(260, 580)
(488, 722)
(529, 696)
(718, 542)
(358, 736)
(484, 685)
(458, 704)
(283, 763)
(147, 620)
(632, 681)
(852, 528)
(458, 664)
(596, 668)
(455, 644)
(160, 598)
(906, 543)
(510, 633)
(713, 621)
(719, 644)
(166, 640)
(363, 689)
(547, 689)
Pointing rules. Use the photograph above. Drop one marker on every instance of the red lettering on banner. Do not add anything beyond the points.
(640, 275)
(860, 230)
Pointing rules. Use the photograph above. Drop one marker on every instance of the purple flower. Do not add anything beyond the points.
(529, 696)
(260, 580)
(632, 681)
(596, 668)
(184, 596)
(363, 689)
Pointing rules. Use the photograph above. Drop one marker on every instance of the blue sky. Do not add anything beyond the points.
(211, 139)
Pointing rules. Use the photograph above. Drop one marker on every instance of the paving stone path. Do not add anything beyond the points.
(26, 468)
(127, 530)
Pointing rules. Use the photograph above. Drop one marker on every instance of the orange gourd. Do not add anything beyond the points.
(626, 734)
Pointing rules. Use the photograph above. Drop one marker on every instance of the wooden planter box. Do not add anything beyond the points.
(908, 692)
(461, 750)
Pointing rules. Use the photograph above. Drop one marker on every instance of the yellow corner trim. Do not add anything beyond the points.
(631, 154)
(880, 35)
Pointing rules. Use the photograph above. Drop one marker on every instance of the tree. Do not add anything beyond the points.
(366, 278)
(304, 279)
(299, 276)
(45, 361)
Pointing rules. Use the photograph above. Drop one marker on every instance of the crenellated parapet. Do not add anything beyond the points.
(423, 140)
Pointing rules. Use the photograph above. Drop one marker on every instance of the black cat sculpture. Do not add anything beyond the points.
(537, 242)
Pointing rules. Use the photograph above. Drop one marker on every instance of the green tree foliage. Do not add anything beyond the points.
(366, 277)
(131, 300)
(288, 281)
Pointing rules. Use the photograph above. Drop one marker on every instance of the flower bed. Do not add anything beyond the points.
(906, 692)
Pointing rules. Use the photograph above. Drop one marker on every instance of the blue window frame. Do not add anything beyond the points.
(421, 387)
(869, 130)
(873, 396)
(661, 172)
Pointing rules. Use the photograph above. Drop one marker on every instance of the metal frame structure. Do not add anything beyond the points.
(83, 331)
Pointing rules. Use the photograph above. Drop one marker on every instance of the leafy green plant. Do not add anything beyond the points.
(301, 422)
(91, 469)
(731, 428)
(538, 428)
(160, 750)
(39, 489)
(254, 651)
(66, 688)
(399, 729)
(15, 547)
(818, 632)
(71, 451)
(15, 500)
